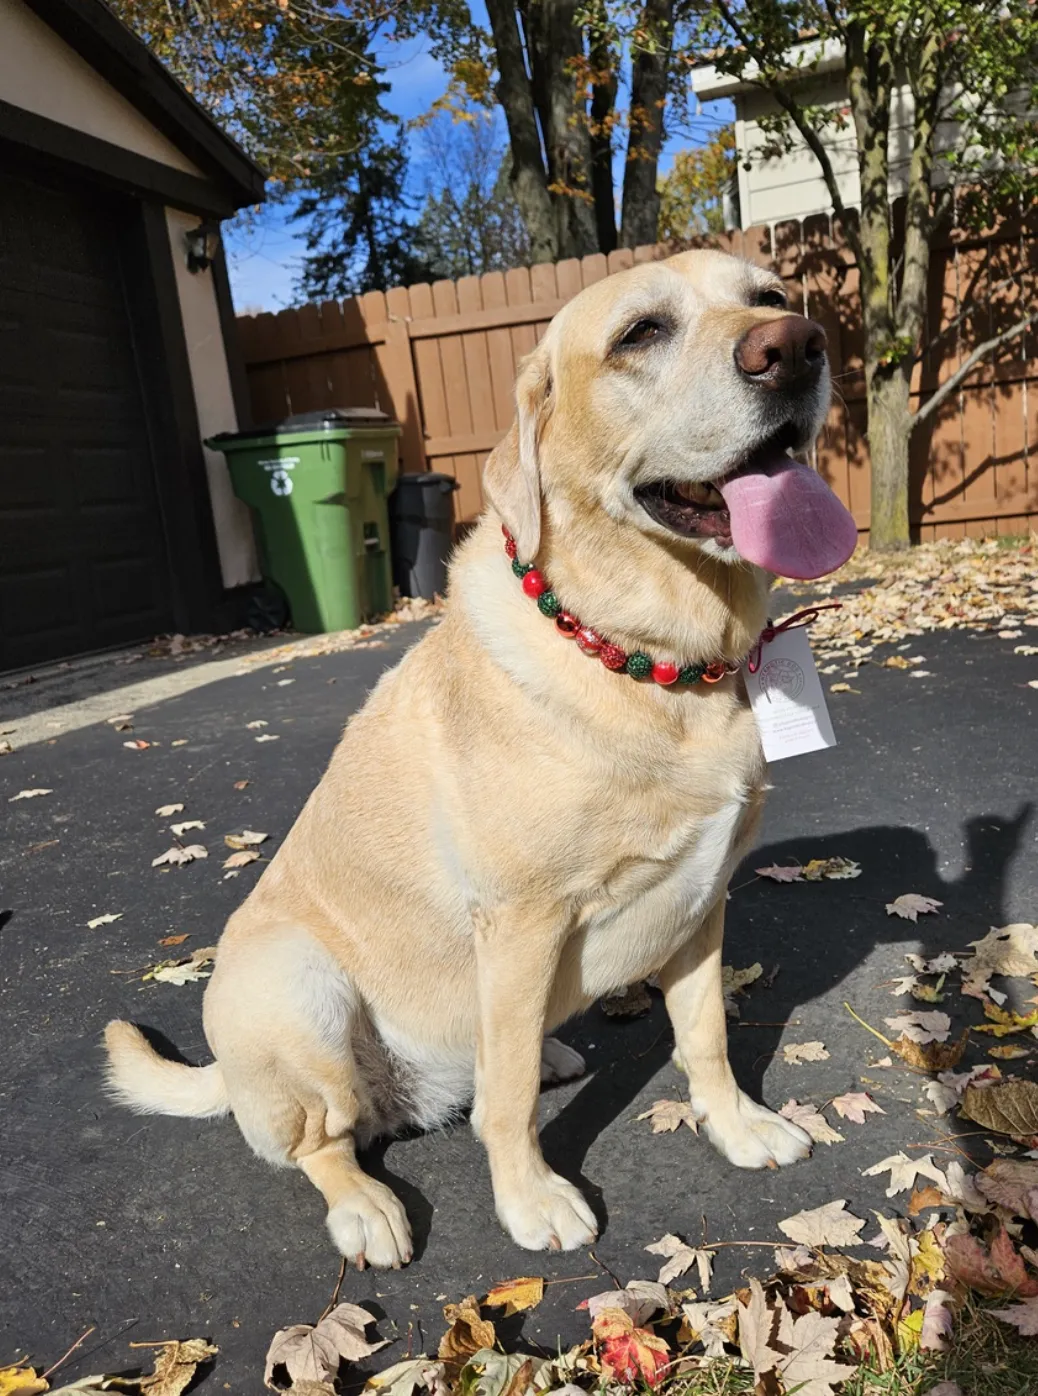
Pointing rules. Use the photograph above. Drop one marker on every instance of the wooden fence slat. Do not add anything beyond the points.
(499, 349)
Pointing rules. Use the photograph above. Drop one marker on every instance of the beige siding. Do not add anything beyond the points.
(41, 74)
(214, 401)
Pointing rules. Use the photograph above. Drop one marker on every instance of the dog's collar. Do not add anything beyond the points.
(640, 665)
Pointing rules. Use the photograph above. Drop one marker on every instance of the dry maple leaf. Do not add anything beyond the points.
(241, 859)
(904, 1171)
(713, 1324)
(841, 688)
(178, 829)
(938, 1322)
(808, 1368)
(1002, 1024)
(313, 1352)
(910, 906)
(21, 1381)
(257, 723)
(248, 838)
(175, 940)
(921, 1027)
(1010, 1108)
(402, 1378)
(779, 873)
(105, 920)
(1013, 1184)
(669, 1115)
(516, 1295)
(641, 1299)
(997, 1271)
(855, 1105)
(468, 1332)
(166, 811)
(904, 984)
(795, 1053)
(175, 1367)
(812, 1120)
(268, 737)
(176, 855)
(940, 964)
(681, 1257)
(831, 869)
(28, 795)
(1023, 1317)
(933, 1056)
(831, 1225)
(1007, 950)
(629, 1353)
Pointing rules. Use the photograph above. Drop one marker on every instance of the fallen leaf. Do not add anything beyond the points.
(268, 737)
(175, 1367)
(119, 717)
(940, 964)
(904, 1171)
(910, 906)
(831, 1225)
(283, 683)
(632, 1002)
(921, 1027)
(105, 920)
(138, 745)
(6, 748)
(256, 724)
(669, 1115)
(1025, 649)
(241, 859)
(1007, 950)
(789, 1259)
(28, 795)
(711, 1324)
(904, 984)
(248, 838)
(516, 1295)
(999, 1270)
(681, 1257)
(808, 1368)
(21, 1381)
(175, 940)
(840, 688)
(629, 1353)
(1002, 1024)
(1009, 1108)
(178, 829)
(1008, 1052)
(165, 811)
(468, 1332)
(923, 1199)
(313, 1352)
(641, 1299)
(176, 855)
(812, 1120)
(1011, 1183)
(240, 785)
(402, 1378)
(181, 741)
(795, 1053)
(934, 1056)
(779, 873)
(833, 869)
(855, 1105)
(938, 1322)
(1023, 1317)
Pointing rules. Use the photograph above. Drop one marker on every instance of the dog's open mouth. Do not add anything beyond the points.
(775, 511)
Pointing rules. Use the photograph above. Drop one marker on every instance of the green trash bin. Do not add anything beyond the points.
(317, 485)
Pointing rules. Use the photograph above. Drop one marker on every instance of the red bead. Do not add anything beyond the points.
(535, 583)
(505, 531)
(665, 673)
(511, 548)
(566, 624)
(588, 640)
(612, 656)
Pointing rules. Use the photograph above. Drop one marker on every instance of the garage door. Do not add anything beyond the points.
(83, 564)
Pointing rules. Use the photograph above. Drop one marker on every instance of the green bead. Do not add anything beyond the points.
(638, 665)
(549, 603)
(691, 673)
(521, 568)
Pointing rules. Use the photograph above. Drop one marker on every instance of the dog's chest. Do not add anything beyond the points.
(651, 905)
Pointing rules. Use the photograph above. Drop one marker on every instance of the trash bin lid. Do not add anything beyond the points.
(424, 479)
(325, 418)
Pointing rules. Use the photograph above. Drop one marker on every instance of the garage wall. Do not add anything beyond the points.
(214, 401)
(42, 74)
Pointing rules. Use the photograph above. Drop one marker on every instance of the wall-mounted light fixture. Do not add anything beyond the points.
(202, 243)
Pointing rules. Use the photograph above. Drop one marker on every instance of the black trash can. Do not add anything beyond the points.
(421, 531)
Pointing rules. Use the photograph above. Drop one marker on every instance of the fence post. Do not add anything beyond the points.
(398, 367)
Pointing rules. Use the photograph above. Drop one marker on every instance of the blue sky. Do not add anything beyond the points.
(264, 250)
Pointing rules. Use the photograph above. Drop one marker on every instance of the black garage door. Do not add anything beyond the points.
(83, 562)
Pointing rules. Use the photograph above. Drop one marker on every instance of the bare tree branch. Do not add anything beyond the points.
(966, 368)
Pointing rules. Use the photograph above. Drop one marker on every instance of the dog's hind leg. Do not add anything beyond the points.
(748, 1134)
(280, 1018)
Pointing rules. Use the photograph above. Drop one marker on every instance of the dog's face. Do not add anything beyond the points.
(666, 397)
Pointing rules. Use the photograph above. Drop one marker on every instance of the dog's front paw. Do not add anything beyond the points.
(370, 1227)
(559, 1062)
(549, 1215)
(752, 1136)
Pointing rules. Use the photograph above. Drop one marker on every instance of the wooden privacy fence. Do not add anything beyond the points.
(442, 360)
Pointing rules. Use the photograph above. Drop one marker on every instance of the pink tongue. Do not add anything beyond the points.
(786, 519)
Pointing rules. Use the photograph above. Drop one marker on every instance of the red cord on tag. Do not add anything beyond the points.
(793, 622)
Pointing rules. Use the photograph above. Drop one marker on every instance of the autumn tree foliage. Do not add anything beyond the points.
(692, 193)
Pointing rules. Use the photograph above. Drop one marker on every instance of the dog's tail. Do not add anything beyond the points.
(153, 1085)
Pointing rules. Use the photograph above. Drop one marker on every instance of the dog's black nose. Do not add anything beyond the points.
(785, 352)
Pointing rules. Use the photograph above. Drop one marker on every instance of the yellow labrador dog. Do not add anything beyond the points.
(578, 744)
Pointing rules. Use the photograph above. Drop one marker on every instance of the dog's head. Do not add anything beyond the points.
(665, 400)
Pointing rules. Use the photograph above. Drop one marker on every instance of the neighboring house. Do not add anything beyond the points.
(117, 342)
(791, 185)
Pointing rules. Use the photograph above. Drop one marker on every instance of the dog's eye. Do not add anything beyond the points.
(772, 298)
(643, 332)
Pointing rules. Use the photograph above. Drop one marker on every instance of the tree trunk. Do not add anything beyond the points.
(889, 433)
(603, 101)
(529, 180)
(649, 72)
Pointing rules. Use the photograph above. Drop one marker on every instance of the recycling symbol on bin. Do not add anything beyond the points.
(280, 483)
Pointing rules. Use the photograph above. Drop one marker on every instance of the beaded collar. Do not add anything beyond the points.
(640, 665)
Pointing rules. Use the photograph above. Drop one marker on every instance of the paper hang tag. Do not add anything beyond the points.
(787, 699)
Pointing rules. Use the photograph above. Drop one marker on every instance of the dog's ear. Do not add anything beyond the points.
(512, 476)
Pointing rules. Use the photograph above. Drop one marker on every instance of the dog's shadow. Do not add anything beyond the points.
(833, 926)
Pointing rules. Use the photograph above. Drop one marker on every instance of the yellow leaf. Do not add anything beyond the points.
(1003, 1023)
(1008, 1053)
(516, 1295)
(20, 1381)
(909, 1331)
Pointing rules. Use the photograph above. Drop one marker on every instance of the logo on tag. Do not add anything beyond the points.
(782, 676)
